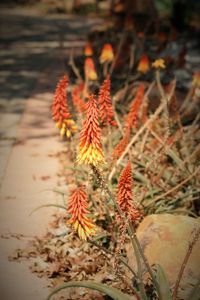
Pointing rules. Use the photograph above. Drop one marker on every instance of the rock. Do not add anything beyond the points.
(165, 239)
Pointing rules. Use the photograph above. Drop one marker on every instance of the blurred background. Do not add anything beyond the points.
(34, 33)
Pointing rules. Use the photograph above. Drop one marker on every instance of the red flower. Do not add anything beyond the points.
(132, 118)
(143, 65)
(90, 149)
(119, 149)
(88, 50)
(89, 69)
(124, 195)
(78, 102)
(107, 54)
(60, 110)
(78, 208)
(105, 105)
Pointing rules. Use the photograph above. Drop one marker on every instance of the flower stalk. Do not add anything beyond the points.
(104, 186)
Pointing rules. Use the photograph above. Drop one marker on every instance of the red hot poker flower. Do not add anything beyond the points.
(60, 110)
(107, 54)
(105, 105)
(132, 118)
(159, 64)
(124, 195)
(90, 148)
(119, 149)
(77, 100)
(89, 69)
(88, 50)
(143, 65)
(78, 209)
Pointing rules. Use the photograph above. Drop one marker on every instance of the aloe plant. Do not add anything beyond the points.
(115, 294)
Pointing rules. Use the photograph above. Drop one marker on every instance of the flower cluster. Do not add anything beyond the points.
(107, 54)
(159, 64)
(143, 65)
(78, 209)
(90, 148)
(89, 68)
(60, 110)
(105, 105)
(124, 194)
(88, 50)
(132, 118)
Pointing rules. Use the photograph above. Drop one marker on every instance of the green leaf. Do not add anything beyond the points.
(60, 192)
(47, 205)
(163, 283)
(110, 291)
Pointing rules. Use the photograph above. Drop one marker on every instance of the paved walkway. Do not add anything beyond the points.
(29, 41)
(30, 68)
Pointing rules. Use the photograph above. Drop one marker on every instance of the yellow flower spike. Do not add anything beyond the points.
(159, 64)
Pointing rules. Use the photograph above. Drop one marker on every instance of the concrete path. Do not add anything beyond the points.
(30, 68)
(29, 40)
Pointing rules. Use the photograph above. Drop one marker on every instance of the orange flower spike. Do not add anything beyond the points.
(60, 110)
(105, 104)
(107, 54)
(119, 149)
(88, 50)
(124, 194)
(132, 118)
(89, 69)
(143, 65)
(90, 148)
(78, 209)
(159, 64)
(78, 102)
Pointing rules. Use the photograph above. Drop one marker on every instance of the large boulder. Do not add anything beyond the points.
(165, 239)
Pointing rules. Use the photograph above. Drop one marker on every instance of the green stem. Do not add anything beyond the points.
(104, 186)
